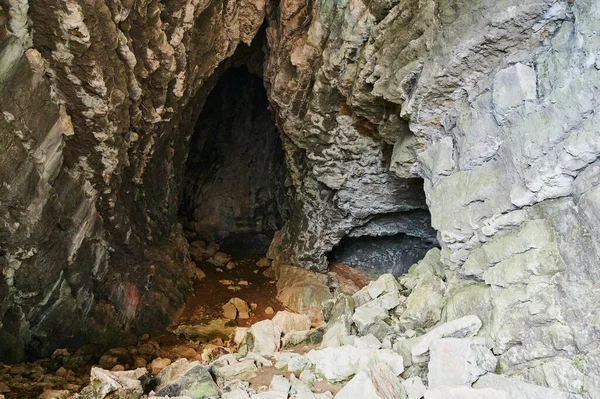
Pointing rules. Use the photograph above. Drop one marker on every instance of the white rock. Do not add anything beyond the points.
(458, 361)
(265, 338)
(236, 394)
(104, 382)
(367, 314)
(279, 389)
(414, 387)
(301, 390)
(414, 349)
(465, 393)
(516, 389)
(368, 342)
(376, 382)
(240, 333)
(386, 283)
(340, 363)
(288, 321)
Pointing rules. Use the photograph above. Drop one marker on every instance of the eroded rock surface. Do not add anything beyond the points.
(483, 113)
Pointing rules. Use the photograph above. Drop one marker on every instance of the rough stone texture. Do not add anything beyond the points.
(454, 361)
(490, 105)
(378, 381)
(99, 102)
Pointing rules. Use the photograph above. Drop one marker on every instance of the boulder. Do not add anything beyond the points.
(303, 291)
(424, 304)
(228, 367)
(378, 381)
(263, 262)
(263, 338)
(454, 361)
(159, 364)
(235, 308)
(185, 378)
(385, 284)
(288, 321)
(235, 394)
(301, 390)
(118, 384)
(414, 387)
(414, 349)
(338, 364)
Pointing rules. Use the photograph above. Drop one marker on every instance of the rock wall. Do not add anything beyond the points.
(493, 104)
(99, 100)
(490, 103)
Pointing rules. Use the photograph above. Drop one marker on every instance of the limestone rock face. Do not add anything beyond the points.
(483, 112)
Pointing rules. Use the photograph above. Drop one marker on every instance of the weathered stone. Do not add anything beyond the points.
(340, 363)
(185, 378)
(159, 364)
(378, 381)
(414, 387)
(288, 321)
(122, 384)
(414, 349)
(302, 291)
(263, 338)
(220, 259)
(227, 367)
(278, 389)
(454, 361)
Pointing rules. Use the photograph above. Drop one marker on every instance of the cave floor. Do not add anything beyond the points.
(199, 332)
(245, 281)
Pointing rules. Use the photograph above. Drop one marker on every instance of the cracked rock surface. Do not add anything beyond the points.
(482, 113)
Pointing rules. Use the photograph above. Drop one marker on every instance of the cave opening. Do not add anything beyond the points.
(388, 243)
(233, 186)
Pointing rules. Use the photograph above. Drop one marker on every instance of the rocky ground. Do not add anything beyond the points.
(234, 339)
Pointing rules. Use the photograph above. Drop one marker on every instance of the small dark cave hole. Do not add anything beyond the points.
(233, 185)
(388, 243)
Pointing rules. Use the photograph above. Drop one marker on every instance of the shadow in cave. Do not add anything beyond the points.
(389, 243)
(233, 187)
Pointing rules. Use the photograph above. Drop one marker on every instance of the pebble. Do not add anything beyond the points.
(243, 282)
(269, 310)
(230, 265)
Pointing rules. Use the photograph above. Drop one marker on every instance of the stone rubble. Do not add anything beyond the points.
(445, 361)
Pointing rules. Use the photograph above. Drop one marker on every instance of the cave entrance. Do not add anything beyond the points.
(233, 187)
(388, 243)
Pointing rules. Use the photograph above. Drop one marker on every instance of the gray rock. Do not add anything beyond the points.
(122, 384)
(278, 389)
(185, 378)
(263, 338)
(227, 367)
(414, 349)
